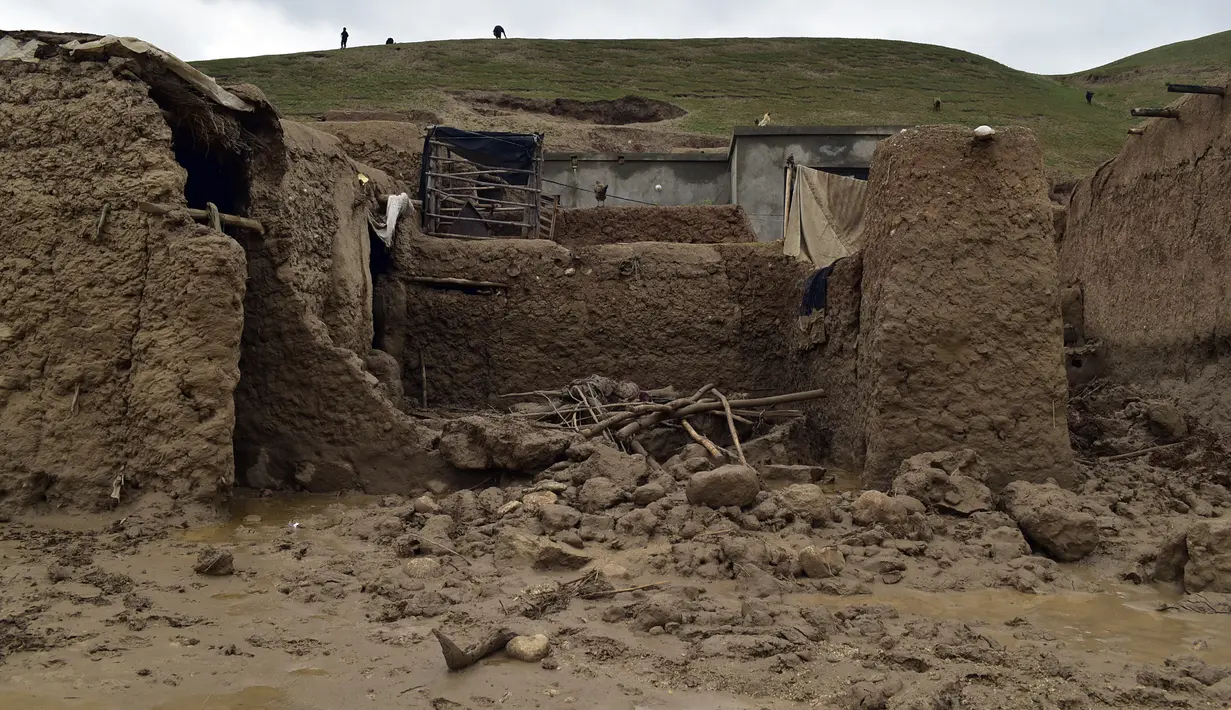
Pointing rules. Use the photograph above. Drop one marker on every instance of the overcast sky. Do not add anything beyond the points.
(1044, 36)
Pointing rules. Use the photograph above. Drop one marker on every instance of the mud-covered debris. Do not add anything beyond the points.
(1171, 557)
(821, 562)
(806, 502)
(457, 658)
(732, 484)
(1209, 557)
(215, 562)
(516, 547)
(539, 499)
(650, 492)
(559, 517)
(530, 649)
(508, 508)
(947, 481)
(793, 473)
(1052, 519)
(477, 442)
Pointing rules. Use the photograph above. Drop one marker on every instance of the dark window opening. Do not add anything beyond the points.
(214, 175)
(857, 173)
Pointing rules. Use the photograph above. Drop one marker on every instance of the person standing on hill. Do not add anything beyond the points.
(1089, 97)
(498, 31)
(345, 36)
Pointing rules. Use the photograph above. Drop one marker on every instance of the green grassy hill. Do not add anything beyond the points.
(728, 82)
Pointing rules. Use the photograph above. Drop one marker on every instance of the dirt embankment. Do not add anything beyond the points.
(722, 224)
(608, 112)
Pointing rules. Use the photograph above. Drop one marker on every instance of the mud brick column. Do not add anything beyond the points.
(960, 342)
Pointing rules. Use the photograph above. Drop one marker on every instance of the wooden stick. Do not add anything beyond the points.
(1155, 112)
(454, 282)
(638, 411)
(1140, 452)
(450, 235)
(430, 541)
(471, 198)
(1197, 89)
(613, 592)
(213, 216)
(423, 376)
(639, 448)
(102, 222)
(481, 220)
(697, 437)
(227, 219)
(463, 161)
(700, 407)
(490, 185)
(726, 406)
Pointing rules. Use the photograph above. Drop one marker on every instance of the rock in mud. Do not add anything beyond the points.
(807, 502)
(650, 492)
(539, 499)
(515, 547)
(1166, 422)
(214, 562)
(476, 443)
(732, 484)
(423, 568)
(1209, 557)
(659, 610)
(559, 517)
(947, 481)
(821, 563)
(1051, 519)
(599, 494)
(426, 505)
(530, 649)
(1171, 558)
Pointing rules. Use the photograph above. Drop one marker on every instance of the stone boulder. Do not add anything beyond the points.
(1166, 421)
(1051, 519)
(807, 502)
(478, 443)
(821, 562)
(1209, 557)
(732, 484)
(559, 517)
(946, 481)
(892, 513)
(517, 548)
(599, 494)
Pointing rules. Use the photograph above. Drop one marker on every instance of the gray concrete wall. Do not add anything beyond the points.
(758, 163)
(686, 179)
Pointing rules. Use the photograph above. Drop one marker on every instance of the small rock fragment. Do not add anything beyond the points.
(530, 649)
(214, 562)
(423, 568)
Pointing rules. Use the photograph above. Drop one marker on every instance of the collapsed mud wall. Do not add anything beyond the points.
(719, 224)
(119, 344)
(657, 314)
(1145, 241)
(960, 342)
(310, 413)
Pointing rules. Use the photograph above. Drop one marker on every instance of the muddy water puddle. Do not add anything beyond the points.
(1120, 619)
(267, 518)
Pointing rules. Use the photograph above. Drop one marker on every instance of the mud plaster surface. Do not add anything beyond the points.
(118, 352)
(690, 225)
(657, 314)
(960, 336)
(1146, 240)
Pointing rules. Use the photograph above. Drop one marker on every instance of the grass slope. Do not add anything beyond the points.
(728, 82)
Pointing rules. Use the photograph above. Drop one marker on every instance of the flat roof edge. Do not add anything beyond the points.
(637, 157)
(817, 130)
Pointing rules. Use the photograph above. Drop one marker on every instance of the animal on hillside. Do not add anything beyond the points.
(936, 105)
(1089, 97)
(763, 121)
(389, 41)
(600, 192)
(499, 33)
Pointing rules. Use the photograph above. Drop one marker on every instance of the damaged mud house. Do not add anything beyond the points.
(951, 386)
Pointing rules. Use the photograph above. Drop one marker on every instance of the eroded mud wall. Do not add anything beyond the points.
(657, 314)
(960, 342)
(309, 413)
(718, 224)
(119, 349)
(1147, 242)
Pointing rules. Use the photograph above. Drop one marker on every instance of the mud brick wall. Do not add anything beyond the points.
(1147, 241)
(118, 351)
(719, 224)
(657, 314)
(960, 341)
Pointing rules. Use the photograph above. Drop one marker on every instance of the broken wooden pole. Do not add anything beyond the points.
(454, 282)
(1197, 89)
(228, 220)
(1155, 113)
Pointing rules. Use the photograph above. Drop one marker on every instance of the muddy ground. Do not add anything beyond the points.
(331, 601)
